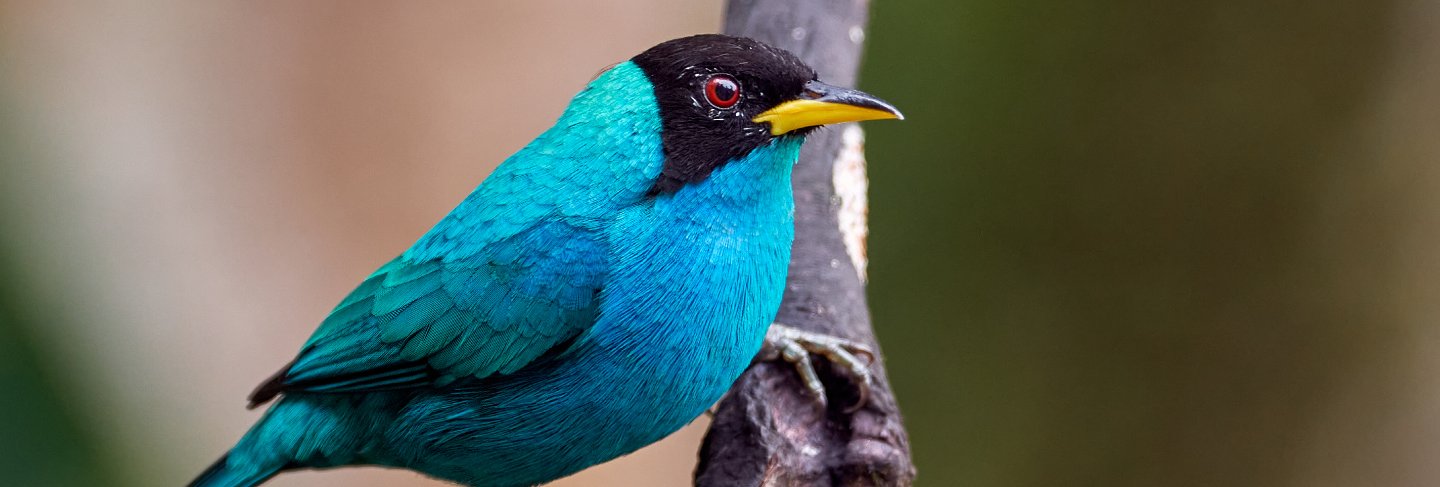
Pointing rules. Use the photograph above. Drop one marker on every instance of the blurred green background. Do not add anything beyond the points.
(1115, 243)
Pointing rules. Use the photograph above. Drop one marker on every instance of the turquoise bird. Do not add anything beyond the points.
(600, 290)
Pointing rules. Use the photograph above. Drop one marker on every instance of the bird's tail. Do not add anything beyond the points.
(304, 431)
(223, 474)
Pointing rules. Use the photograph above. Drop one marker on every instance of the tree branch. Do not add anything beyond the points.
(768, 430)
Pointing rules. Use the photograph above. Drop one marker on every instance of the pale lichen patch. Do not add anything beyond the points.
(852, 186)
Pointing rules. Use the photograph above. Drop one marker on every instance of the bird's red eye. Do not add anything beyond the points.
(722, 91)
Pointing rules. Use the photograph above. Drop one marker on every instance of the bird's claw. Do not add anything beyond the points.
(796, 346)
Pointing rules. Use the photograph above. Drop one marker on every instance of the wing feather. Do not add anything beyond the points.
(426, 323)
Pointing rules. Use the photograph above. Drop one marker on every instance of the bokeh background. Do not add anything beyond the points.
(1116, 242)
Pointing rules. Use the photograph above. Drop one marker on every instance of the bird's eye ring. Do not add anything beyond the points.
(722, 91)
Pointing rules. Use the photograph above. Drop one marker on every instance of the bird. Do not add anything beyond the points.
(600, 289)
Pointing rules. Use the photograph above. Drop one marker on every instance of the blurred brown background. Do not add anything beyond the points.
(201, 181)
(1115, 243)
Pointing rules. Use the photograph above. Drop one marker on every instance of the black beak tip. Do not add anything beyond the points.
(820, 91)
(898, 115)
(869, 101)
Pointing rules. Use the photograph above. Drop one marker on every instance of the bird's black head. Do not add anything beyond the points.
(721, 97)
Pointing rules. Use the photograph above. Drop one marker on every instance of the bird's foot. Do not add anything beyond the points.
(796, 346)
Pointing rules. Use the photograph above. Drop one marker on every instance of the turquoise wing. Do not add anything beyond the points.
(428, 323)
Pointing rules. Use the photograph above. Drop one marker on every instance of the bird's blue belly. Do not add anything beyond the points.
(633, 378)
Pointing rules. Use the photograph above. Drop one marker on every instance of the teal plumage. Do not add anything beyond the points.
(570, 310)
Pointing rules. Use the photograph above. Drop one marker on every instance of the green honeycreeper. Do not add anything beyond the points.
(600, 290)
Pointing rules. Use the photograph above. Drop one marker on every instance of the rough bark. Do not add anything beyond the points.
(768, 430)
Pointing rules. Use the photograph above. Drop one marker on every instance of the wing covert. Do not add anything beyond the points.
(419, 323)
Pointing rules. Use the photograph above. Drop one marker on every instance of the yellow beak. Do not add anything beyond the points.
(822, 104)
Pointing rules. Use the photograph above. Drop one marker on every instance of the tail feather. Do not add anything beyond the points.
(300, 431)
(222, 474)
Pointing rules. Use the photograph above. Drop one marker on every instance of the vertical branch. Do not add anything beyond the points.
(768, 431)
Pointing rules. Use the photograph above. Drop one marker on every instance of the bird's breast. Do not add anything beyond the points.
(685, 308)
(698, 285)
